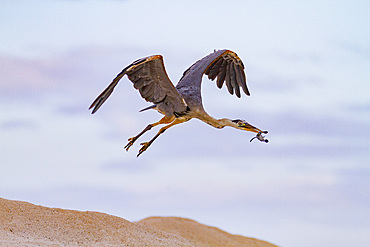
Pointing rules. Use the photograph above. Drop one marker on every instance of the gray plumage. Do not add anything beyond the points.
(183, 102)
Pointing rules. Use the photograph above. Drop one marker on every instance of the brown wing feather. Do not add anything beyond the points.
(228, 68)
(213, 71)
(228, 79)
(150, 78)
(234, 79)
(221, 74)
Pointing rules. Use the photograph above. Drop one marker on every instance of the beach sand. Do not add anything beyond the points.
(26, 224)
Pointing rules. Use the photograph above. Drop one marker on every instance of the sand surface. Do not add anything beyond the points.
(26, 224)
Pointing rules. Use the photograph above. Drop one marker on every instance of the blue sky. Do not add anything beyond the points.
(308, 73)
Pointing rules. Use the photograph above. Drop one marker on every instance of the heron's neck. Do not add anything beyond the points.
(217, 123)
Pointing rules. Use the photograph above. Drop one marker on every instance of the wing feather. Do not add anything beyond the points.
(140, 82)
(105, 94)
(233, 81)
(244, 80)
(150, 78)
(213, 70)
(146, 91)
(225, 65)
(221, 74)
(228, 62)
(236, 80)
(228, 79)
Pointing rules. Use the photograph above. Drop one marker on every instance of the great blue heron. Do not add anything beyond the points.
(181, 103)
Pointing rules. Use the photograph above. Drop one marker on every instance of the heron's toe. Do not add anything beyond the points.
(130, 143)
(127, 147)
(144, 147)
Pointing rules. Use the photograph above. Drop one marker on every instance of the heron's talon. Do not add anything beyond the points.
(127, 147)
(130, 143)
(144, 147)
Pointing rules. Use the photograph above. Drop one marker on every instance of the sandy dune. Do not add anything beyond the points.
(201, 234)
(25, 224)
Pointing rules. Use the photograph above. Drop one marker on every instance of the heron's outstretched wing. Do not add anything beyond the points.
(150, 78)
(225, 65)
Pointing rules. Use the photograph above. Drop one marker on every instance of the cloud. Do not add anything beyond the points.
(357, 49)
(69, 71)
(359, 108)
(17, 124)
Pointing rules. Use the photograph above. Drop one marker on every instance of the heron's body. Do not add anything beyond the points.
(183, 102)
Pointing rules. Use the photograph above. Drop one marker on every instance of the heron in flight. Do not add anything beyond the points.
(181, 103)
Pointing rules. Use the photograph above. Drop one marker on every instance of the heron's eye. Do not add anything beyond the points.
(241, 124)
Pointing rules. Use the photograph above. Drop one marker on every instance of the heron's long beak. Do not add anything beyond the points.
(251, 128)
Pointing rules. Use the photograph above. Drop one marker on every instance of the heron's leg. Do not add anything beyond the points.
(145, 145)
(164, 120)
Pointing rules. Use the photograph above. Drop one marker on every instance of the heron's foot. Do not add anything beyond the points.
(130, 143)
(144, 147)
(260, 137)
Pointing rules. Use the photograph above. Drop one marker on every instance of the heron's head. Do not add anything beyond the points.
(243, 125)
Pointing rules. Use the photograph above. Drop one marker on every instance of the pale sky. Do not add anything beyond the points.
(308, 73)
